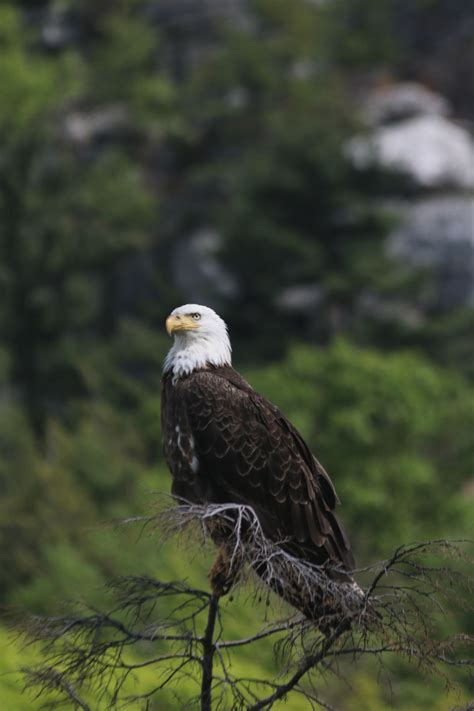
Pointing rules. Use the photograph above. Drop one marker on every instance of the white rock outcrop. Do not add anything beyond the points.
(433, 150)
(403, 100)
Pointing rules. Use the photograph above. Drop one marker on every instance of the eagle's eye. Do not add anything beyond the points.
(196, 316)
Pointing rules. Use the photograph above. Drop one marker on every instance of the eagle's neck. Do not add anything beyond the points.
(190, 353)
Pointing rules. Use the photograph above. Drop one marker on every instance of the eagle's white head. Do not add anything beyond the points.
(200, 339)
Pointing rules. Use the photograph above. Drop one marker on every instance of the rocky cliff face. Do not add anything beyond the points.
(411, 130)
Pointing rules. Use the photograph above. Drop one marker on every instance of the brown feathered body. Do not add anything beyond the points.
(226, 443)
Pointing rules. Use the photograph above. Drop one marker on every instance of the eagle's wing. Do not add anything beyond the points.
(251, 452)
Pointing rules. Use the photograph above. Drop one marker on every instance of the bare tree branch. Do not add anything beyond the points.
(209, 649)
(180, 631)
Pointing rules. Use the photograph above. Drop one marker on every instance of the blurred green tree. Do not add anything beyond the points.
(268, 170)
(394, 433)
(39, 504)
(67, 221)
(271, 107)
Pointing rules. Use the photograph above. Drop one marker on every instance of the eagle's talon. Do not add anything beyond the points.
(220, 589)
(222, 576)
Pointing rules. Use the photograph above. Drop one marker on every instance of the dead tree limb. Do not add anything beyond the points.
(179, 631)
(209, 649)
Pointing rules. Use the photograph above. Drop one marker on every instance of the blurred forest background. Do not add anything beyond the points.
(306, 167)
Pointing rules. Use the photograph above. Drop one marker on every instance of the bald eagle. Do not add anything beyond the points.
(226, 443)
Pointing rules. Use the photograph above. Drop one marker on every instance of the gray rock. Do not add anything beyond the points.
(300, 298)
(57, 30)
(197, 270)
(84, 127)
(439, 233)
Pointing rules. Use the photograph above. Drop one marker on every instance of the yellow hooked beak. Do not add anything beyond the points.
(179, 323)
